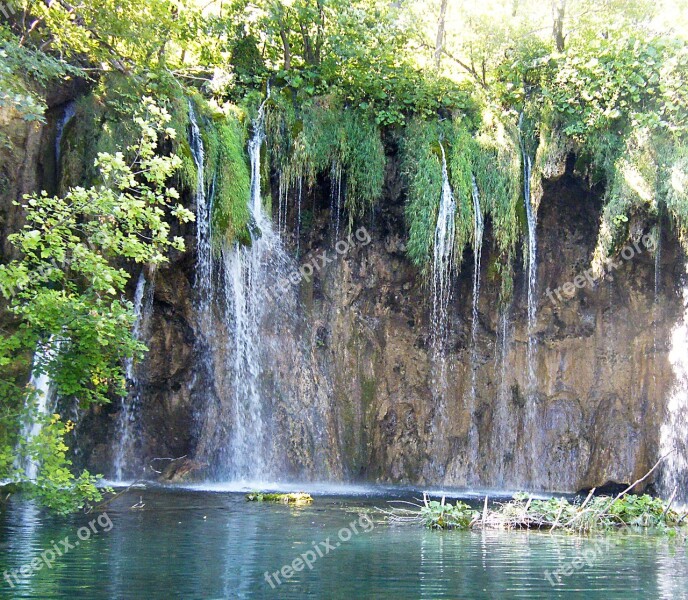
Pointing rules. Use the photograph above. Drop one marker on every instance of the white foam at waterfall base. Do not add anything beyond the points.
(674, 430)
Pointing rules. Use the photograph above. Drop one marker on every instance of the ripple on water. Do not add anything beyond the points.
(200, 545)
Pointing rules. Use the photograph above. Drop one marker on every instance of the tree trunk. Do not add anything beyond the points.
(321, 32)
(286, 47)
(439, 42)
(558, 13)
(307, 46)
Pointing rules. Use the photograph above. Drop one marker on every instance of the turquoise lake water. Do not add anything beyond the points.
(193, 544)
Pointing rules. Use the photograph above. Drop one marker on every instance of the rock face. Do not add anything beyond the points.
(21, 168)
(600, 363)
(365, 406)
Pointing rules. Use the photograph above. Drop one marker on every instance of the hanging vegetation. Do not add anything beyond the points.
(490, 156)
(307, 141)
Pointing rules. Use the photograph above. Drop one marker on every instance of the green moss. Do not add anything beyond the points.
(226, 174)
(498, 171)
(304, 143)
(422, 171)
(461, 168)
(492, 157)
(298, 498)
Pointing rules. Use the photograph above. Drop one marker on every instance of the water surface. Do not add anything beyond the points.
(195, 544)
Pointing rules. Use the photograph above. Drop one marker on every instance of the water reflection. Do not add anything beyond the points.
(200, 545)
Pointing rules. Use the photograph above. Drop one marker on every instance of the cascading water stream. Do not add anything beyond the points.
(246, 285)
(503, 432)
(126, 422)
(531, 217)
(478, 230)
(532, 268)
(442, 266)
(40, 381)
(256, 363)
(526, 463)
(204, 256)
(67, 115)
(298, 217)
(246, 458)
(254, 146)
(674, 430)
(43, 394)
(336, 198)
(658, 281)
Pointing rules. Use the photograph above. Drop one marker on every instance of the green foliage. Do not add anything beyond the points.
(66, 292)
(461, 173)
(615, 100)
(126, 35)
(66, 285)
(297, 498)
(608, 81)
(226, 174)
(355, 51)
(422, 170)
(599, 513)
(305, 143)
(488, 155)
(440, 515)
(56, 487)
(497, 168)
(23, 73)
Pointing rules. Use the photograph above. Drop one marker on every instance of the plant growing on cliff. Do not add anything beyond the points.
(65, 293)
(323, 138)
(227, 174)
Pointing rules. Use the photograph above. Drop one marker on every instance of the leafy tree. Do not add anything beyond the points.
(65, 293)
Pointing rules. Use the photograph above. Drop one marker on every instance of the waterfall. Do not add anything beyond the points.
(478, 230)
(126, 422)
(254, 146)
(204, 257)
(658, 282)
(531, 216)
(504, 431)
(442, 263)
(336, 198)
(445, 230)
(674, 430)
(42, 392)
(40, 382)
(245, 271)
(257, 386)
(243, 267)
(298, 218)
(250, 273)
(281, 205)
(67, 114)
